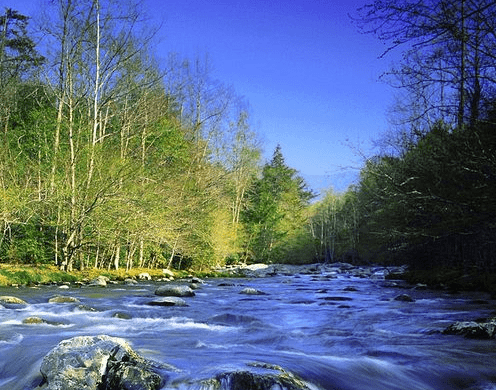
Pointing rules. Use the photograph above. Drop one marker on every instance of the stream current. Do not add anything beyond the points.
(334, 331)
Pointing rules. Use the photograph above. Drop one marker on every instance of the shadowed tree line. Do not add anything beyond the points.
(428, 199)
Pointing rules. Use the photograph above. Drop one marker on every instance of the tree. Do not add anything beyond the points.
(275, 210)
(18, 55)
(447, 68)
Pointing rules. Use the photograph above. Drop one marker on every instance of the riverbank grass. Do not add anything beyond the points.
(12, 275)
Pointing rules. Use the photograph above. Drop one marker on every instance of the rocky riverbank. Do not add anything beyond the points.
(108, 363)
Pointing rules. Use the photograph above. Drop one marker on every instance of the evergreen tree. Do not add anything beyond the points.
(275, 212)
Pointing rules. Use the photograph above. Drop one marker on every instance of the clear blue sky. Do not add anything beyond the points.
(311, 79)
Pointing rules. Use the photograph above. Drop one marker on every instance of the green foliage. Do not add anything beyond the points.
(433, 205)
(17, 49)
(275, 213)
(27, 243)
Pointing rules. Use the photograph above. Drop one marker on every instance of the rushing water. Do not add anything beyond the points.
(334, 331)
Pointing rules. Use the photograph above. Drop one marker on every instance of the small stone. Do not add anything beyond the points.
(404, 298)
(337, 299)
(33, 320)
(168, 301)
(63, 299)
(252, 291)
(122, 316)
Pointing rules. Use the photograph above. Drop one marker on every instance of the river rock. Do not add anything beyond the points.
(12, 300)
(404, 298)
(251, 291)
(144, 276)
(473, 330)
(38, 320)
(130, 374)
(100, 281)
(168, 273)
(96, 363)
(267, 377)
(122, 315)
(33, 320)
(130, 282)
(63, 299)
(174, 290)
(168, 301)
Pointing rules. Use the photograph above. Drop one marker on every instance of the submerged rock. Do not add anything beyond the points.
(122, 315)
(38, 320)
(404, 298)
(97, 363)
(168, 301)
(174, 290)
(473, 330)
(33, 320)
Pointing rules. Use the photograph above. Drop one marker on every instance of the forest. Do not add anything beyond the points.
(111, 158)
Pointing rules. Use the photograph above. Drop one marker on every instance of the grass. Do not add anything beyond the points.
(22, 275)
(44, 274)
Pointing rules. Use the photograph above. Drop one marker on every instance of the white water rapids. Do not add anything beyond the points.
(333, 331)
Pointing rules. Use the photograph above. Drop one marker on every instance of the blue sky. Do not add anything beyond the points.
(310, 77)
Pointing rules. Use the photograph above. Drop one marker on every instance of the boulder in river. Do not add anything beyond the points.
(100, 281)
(262, 377)
(174, 290)
(63, 299)
(12, 300)
(473, 330)
(96, 363)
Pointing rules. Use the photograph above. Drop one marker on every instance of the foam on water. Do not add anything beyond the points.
(370, 343)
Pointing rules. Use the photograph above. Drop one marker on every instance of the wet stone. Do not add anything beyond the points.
(12, 300)
(404, 298)
(174, 290)
(251, 291)
(63, 299)
(168, 301)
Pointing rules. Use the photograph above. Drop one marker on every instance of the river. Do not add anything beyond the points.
(334, 330)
